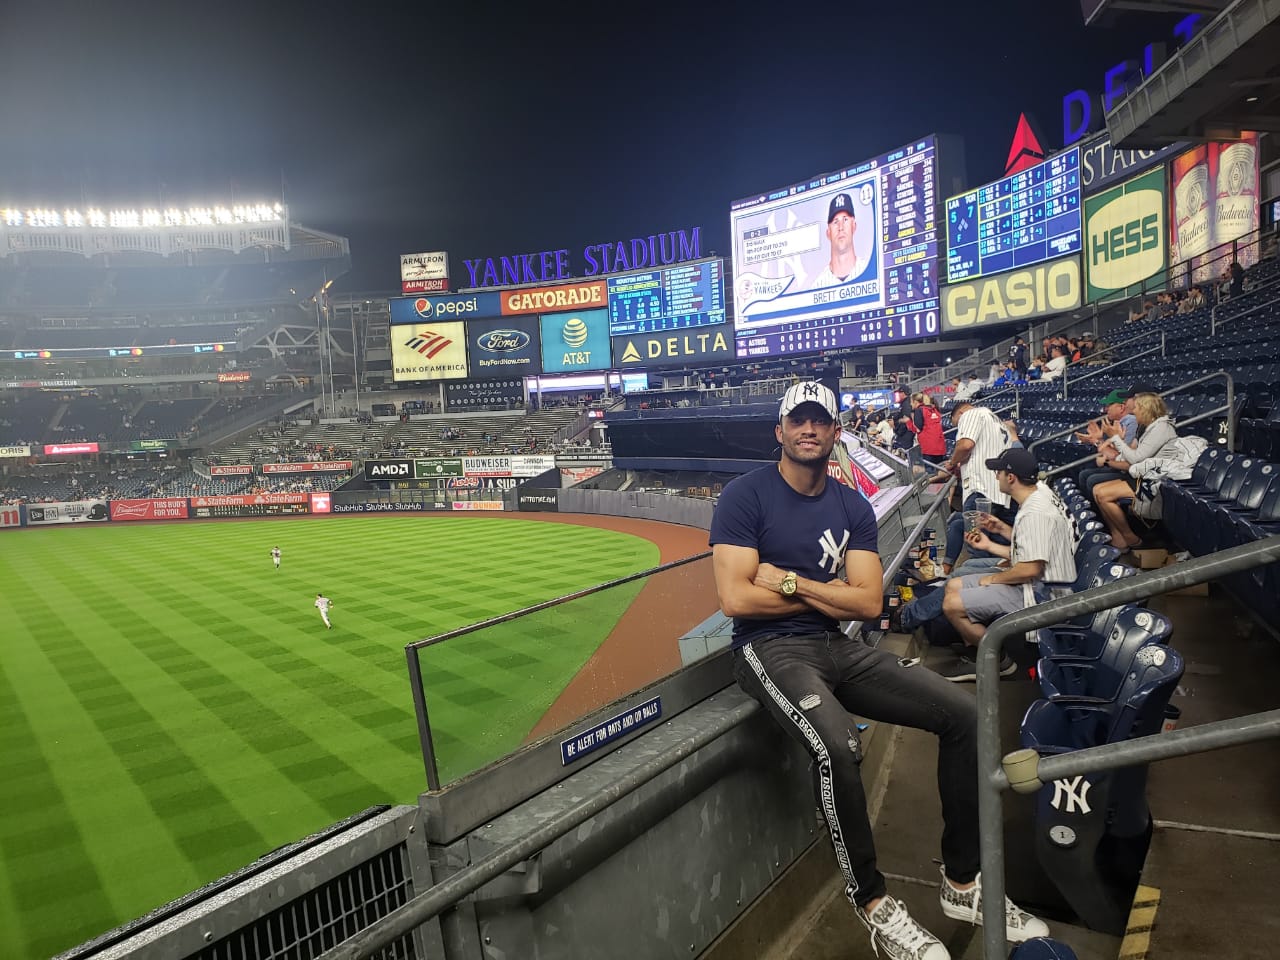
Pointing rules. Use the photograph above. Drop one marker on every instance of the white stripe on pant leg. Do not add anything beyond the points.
(826, 782)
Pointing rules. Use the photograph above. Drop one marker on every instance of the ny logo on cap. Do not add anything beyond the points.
(810, 391)
(840, 201)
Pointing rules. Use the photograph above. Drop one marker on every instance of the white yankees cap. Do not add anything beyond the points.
(809, 391)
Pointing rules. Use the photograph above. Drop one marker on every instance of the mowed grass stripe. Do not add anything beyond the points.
(192, 621)
(40, 840)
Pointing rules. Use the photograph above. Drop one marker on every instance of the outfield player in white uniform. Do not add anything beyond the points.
(275, 556)
(323, 604)
(841, 226)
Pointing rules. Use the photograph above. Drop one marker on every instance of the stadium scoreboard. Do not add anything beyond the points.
(672, 298)
(1023, 219)
(801, 285)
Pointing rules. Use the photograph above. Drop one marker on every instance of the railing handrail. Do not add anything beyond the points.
(992, 778)
(1213, 314)
(436, 899)
(913, 537)
(1228, 408)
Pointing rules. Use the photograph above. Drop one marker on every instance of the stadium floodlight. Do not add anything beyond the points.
(147, 218)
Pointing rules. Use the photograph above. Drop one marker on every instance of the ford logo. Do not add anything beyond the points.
(503, 341)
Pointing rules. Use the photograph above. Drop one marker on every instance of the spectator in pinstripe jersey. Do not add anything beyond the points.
(1039, 554)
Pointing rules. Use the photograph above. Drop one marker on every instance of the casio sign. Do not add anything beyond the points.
(1037, 291)
(503, 341)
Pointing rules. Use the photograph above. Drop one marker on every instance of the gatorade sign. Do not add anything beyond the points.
(1019, 295)
(1125, 236)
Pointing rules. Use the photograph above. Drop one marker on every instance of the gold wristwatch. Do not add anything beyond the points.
(788, 585)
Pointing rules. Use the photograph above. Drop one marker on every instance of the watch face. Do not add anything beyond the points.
(788, 585)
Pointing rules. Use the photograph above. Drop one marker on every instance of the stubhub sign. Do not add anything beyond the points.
(444, 307)
(1019, 295)
(1125, 235)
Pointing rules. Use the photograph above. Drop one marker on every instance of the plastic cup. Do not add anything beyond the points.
(971, 519)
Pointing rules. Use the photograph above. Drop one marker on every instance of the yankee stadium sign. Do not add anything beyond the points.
(615, 256)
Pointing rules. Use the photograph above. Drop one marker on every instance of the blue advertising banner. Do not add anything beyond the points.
(448, 306)
(608, 730)
(506, 347)
(573, 342)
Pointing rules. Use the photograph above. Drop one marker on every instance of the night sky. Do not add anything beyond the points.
(481, 131)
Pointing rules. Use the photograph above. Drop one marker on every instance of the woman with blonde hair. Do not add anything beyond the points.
(1157, 431)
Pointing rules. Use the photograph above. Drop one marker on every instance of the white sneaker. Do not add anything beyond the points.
(899, 936)
(966, 905)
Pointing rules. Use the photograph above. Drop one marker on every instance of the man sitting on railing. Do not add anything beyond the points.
(794, 554)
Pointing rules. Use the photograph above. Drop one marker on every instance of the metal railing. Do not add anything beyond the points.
(995, 774)
(1102, 371)
(429, 755)
(1213, 314)
(1228, 408)
(910, 540)
(441, 897)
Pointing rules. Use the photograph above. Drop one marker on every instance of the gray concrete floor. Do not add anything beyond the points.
(1217, 887)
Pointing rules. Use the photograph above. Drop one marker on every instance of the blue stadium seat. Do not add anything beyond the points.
(1106, 638)
(1092, 831)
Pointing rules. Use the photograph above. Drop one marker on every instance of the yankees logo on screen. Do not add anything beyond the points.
(832, 552)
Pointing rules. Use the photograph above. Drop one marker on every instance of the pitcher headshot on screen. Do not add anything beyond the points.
(842, 225)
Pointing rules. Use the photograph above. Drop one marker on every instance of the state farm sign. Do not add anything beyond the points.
(313, 466)
(231, 470)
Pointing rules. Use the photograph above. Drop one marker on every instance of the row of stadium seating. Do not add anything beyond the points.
(45, 417)
(27, 288)
(1103, 678)
(59, 338)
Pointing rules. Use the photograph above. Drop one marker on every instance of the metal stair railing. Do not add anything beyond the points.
(1024, 771)
(1228, 408)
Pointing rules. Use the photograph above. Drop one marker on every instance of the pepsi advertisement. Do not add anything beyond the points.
(448, 306)
(503, 347)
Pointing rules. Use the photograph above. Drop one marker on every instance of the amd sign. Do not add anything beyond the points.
(388, 469)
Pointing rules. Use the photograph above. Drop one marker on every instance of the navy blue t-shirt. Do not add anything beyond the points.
(809, 535)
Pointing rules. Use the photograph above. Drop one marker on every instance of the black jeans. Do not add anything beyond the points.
(810, 684)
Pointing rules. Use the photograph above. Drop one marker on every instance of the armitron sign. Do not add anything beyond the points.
(1018, 295)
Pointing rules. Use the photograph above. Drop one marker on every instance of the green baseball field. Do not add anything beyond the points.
(172, 706)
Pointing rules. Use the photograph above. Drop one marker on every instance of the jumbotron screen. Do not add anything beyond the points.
(1023, 219)
(844, 259)
(668, 298)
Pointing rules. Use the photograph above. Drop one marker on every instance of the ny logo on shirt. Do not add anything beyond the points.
(832, 551)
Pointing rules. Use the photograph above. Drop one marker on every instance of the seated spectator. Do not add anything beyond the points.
(1117, 415)
(1039, 552)
(1235, 275)
(1150, 310)
(994, 373)
(1056, 365)
(1157, 431)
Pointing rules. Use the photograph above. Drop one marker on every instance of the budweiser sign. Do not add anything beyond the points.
(231, 470)
(174, 508)
(239, 376)
(314, 466)
(249, 499)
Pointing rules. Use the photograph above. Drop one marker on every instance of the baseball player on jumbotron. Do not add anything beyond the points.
(842, 224)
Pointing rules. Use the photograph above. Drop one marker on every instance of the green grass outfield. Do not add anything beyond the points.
(171, 707)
